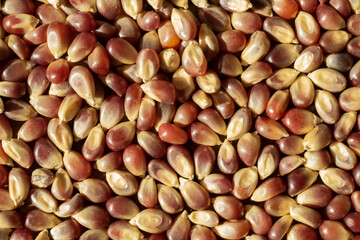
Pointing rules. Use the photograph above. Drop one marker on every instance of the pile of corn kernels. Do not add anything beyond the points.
(179, 119)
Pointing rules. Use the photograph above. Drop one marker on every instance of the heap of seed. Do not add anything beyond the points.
(179, 119)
